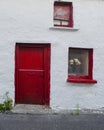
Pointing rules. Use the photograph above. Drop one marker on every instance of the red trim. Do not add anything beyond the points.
(62, 3)
(16, 74)
(90, 63)
(78, 77)
(89, 81)
(71, 23)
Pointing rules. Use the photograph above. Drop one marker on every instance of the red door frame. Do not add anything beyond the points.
(47, 57)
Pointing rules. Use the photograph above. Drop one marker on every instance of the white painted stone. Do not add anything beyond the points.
(30, 21)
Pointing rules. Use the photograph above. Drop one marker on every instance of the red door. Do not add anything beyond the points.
(32, 73)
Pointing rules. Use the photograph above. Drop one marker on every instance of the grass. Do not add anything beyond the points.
(76, 111)
(7, 105)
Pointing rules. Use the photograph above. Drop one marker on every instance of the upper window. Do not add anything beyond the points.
(80, 65)
(63, 14)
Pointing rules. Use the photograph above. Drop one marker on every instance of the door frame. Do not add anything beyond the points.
(47, 57)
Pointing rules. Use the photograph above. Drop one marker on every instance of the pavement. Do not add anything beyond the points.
(37, 117)
(51, 121)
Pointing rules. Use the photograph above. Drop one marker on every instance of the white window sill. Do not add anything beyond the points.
(64, 28)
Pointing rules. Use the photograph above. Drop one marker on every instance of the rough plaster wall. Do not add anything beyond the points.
(88, 17)
(29, 21)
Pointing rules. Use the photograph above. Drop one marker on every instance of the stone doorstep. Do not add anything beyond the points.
(32, 109)
(42, 109)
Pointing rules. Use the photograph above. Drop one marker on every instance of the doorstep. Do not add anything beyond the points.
(31, 109)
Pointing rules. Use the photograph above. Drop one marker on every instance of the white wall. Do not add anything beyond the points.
(29, 21)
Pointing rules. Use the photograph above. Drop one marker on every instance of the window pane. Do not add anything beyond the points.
(61, 12)
(65, 22)
(57, 22)
(78, 62)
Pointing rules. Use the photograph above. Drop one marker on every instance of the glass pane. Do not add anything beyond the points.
(57, 22)
(61, 12)
(65, 22)
(61, 22)
(78, 62)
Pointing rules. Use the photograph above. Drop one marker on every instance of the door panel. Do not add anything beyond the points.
(32, 74)
(32, 86)
(31, 58)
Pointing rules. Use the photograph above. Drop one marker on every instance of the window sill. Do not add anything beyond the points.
(64, 28)
(89, 81)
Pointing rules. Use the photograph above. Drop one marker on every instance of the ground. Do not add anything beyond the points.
(59, 121)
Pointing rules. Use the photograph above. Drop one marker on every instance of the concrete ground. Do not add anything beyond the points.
(61, 121)
(37, 117)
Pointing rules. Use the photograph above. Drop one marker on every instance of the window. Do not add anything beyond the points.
(63, 14)
(80, 65)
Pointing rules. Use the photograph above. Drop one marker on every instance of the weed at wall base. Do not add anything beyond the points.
(7, 105)
(76, 111)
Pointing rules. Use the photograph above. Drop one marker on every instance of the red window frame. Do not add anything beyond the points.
(67, 15)
(77, 78)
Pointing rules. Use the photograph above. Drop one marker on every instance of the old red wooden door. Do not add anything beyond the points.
(32, 73)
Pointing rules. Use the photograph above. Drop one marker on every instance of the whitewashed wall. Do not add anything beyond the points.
(30, 21)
